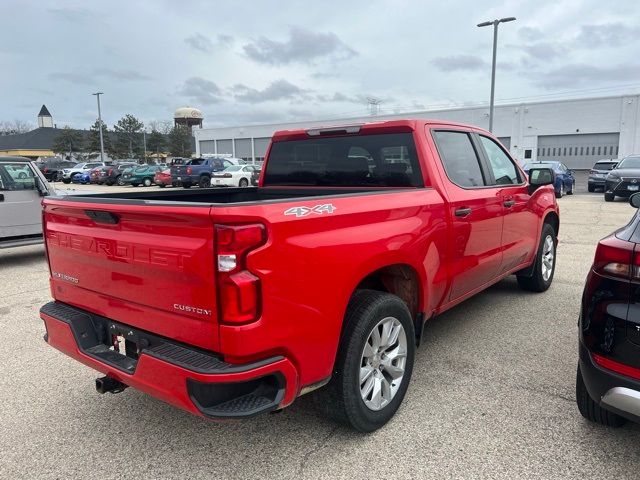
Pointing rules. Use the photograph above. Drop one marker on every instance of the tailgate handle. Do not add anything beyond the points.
(100, 216)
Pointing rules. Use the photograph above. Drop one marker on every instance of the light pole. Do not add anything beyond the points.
(97, 94)
(495, 24)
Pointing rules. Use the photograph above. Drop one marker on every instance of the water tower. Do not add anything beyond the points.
(188, 116)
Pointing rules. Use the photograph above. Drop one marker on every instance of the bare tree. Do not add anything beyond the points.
(14, 127)
(162, 126)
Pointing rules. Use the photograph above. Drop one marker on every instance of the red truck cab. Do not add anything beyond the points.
(232, 303)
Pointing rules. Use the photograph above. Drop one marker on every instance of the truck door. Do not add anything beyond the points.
(476, 213)
(20, 210)
(520, 228)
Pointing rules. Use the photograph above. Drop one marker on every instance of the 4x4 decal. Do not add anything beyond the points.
(304, 211)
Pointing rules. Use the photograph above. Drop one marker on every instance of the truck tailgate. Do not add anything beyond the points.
(148, 266)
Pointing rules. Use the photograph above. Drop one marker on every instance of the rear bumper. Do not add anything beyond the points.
(614, 392)
(186, 377)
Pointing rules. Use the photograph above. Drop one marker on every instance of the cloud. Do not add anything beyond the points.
(198, 41)
(201, 91)
(458, 62)
(544, 50)
(278, 90)
(607, 35)
(579, 75)
(530, 33)
(73, 15)
(202, 43)
(71, 77)
(303, 46)
(121, 74)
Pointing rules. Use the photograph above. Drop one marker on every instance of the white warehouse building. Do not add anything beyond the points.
(577, 132)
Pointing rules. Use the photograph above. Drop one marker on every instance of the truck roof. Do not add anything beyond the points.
(383, 126)
(15, 159)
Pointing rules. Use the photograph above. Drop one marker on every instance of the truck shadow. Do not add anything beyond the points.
(22, 256)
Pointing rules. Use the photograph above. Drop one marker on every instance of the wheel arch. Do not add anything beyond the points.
(553, 219)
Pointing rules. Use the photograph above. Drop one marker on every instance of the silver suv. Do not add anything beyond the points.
(68, 173)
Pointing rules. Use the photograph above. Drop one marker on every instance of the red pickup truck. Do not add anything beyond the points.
(229, 303)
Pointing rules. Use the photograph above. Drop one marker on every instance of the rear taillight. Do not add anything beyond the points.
(615, 257)
(110, 171)
(227, 175)
(45, 170)
(617, 367)
(239, 289)
(189, 170)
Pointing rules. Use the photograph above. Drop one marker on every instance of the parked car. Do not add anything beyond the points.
(112, 174)
(140, 175)
(599, 172)
(52, 168)
(565, 182)
(83, 178)
(199, 170)
(22, 187)
(68, 173)
(255, 175)
(608, 379)
(623, 180)
(244, 299)
(233, 176)
(162, 178)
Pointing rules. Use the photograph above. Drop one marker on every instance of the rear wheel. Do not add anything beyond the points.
(608, 197)
(591, 410)
(161, 185)
(560, 192)
(147, 182)
(120, 181)
(545, 263)
(375, 361)
(204, 182)
(135, 184)
(66, 180)
(244, 182)
(186, 185)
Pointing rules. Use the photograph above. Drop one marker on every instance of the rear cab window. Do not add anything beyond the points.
(383, 160)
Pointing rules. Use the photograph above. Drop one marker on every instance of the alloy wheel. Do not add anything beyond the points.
(548, 257)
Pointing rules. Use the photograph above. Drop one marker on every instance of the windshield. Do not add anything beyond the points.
(630, 162)
(79, 165)
(604, 165)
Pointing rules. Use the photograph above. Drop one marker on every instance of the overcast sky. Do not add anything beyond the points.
(274, 61)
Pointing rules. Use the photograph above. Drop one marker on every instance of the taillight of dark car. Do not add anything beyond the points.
(616, 258)
(239, 289)
(110, 171)
(189, 170)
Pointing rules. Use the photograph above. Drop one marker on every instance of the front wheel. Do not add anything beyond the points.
(146, 182)
(66, 181)
(560, 192)
(545, 263)
(244, 182)
(161, 185)
(204, 182)
(608, 197)
(120, 182)
(375, 361)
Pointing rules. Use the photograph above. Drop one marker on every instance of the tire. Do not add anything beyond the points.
(591, 410)
(560, 194)
(244, 182)
(542, 275)
(570, 192)
(147, 182)
(186, 185)
(161, 185)
(120, 182)
(343, 399)
(608, 197)
(204, 181)
(66, 180)
(135, 184)
(591, 188)
(109, 183)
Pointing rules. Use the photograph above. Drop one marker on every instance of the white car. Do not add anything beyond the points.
(233, 176)
(68, 173)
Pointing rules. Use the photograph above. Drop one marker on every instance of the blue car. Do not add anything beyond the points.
(82, 177)
(565, 181)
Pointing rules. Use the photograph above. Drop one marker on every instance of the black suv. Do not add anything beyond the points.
(599, 172)
(111, 174)
(608, 379)
(624, 180)
(52, 168)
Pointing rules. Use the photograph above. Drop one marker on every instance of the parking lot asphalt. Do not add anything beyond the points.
(492, 396)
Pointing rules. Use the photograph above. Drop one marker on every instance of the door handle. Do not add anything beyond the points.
(462, 212)
(509, 203)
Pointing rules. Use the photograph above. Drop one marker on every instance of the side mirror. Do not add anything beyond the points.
(635, 200)
(539, 177)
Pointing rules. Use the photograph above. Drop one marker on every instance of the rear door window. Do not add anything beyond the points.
(384, 160)
(16, 176)
(460, 159)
